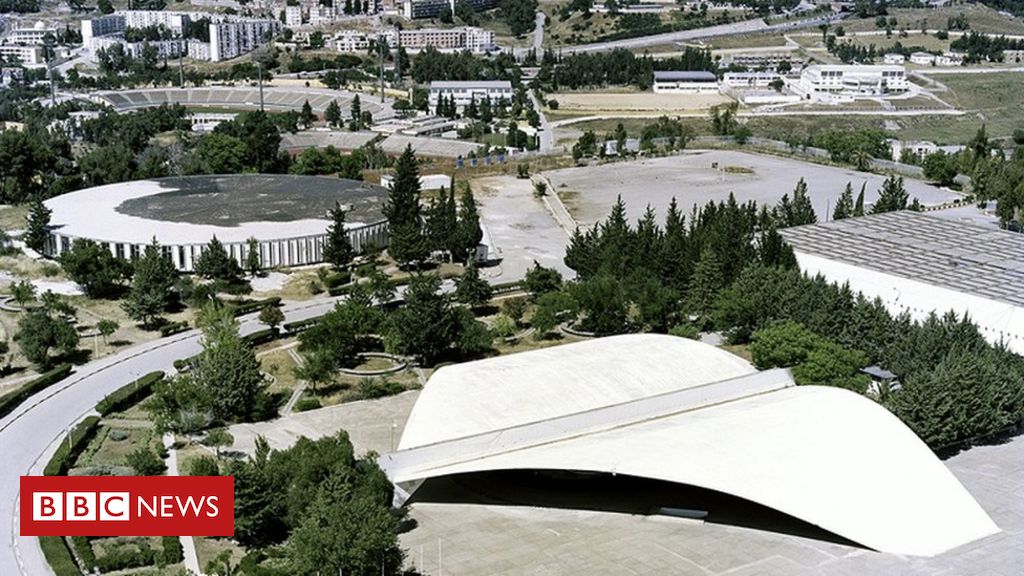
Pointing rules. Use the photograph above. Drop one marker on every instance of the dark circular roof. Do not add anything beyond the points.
(231, 200)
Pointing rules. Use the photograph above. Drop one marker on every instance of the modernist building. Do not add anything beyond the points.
(164, 48)
(431, 8)
(444, 39)
(101, 26)
(921, 263)
(465, 92)
(287, 215)
(232, 39)
(686, 82)
(852, 80)
(682, 412)
(30, 36)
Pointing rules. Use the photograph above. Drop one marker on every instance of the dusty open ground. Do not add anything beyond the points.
(589, 193)
(635, 102)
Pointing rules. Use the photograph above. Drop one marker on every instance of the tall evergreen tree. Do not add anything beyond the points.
(356, 111)
(403, 212)
(36, 224)
(215, 263)
(704, 285)
(338, 247)
(844, 207)
(253, 260)
(469, 231)
(150, 293)
(858, 206)
(306, 117)
(892, 197)
(471, 289)
(332, 114)
(228, 370)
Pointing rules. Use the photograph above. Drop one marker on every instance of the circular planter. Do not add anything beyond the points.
(398, 364)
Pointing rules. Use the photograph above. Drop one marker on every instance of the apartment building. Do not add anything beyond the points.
(232, 39)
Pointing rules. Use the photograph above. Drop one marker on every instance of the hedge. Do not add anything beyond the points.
(300, 325)
(260, 336)
(122, 559)
(173, 328)
(250, 306)
(58, 556)
(506, 287)
(172, 552)
(68, 451)
(83, 548)
(128, 394)
(12, 400)
(182, 364)
(337, 279)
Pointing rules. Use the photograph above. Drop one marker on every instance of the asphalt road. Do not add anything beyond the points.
(28, 436)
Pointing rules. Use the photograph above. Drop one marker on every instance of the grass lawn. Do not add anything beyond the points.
(747, 41)
(13, 217)
(346, 387)
(993, 99)
(280, 365)
(740, 350)
(981, 18)
(926, 41)
(105, 451)
(577, 29)
(209, 548)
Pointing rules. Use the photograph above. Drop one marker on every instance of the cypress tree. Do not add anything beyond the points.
(844, 207)
(253, 261)
(36, 225)
(338, 247)
(150, 292)
(306, 116)
(403, 212)
(468, 231)
(893, 196)
(858, 207)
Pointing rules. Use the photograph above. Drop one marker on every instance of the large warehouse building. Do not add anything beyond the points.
(287, 215)
(682, 412)
(919, 264)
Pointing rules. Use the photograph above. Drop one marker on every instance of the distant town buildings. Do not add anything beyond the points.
(468, 91)
(852, 80)
(230, 36)
(685, 82)
(894, 58)
(945, 59)
(432, 8)
(470, 38)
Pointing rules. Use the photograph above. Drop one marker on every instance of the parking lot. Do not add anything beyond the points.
(693, 178)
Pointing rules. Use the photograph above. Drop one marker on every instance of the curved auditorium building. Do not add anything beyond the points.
(287, 215)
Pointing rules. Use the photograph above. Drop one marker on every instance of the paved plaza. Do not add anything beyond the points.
(692, 178)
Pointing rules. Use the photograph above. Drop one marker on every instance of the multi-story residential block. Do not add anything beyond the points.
(431, 8)
(102, 26)
(232, 39)
(293, 16)
(27, 56)
(164, 48)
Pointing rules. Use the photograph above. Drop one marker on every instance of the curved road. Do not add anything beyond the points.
(28, 436)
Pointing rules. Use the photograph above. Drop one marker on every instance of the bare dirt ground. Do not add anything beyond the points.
(635, 102)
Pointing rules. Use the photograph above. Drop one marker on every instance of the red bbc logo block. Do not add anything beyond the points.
(127, 506)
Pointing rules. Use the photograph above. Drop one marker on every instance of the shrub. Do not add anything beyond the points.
(122, 558)
(250, 306)
(69, 450)
(337, 279)
(117, 435)
(503, 326)
(128, 394)
(370, 388)
(307, 403)
(12, 400)
(686, 330)
(300, 325)
(172, 552)
(173, 328)
(260, 336)
(146, 463)
(84, 551)
(202, 466)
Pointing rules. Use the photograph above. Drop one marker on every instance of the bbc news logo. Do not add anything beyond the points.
(127, 506)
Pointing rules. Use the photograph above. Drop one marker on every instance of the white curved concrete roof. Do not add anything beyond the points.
(824, 455)
(540, 384)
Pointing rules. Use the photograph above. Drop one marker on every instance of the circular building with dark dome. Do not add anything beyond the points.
(287, 215)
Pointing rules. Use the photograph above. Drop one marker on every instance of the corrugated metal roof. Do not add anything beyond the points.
(685, 76)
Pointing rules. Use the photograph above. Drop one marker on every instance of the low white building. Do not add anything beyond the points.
(1013, 56)
(749, 79)
(852, 80)
(685, 82)
(427, 181)
(29, 36)
(465, 92)
(895, 58)
(352, 41)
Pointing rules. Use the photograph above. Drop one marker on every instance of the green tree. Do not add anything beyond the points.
(551, 308)
(214, 263)
(356, 114)
(705, 285)
(939, 167)
(540, 280)
(23, 292)
(844, 206)
(218, 438)
(202, 466)
(306, 116)
(425, 327)
(93, 267)
(471, 289)
(217, 154)
(146, 463)
(603, 303)
(469, 233)
(403, 212)
(106, 328)
(333, 114)
(319, 367)
(105, 7)
(338, 250)
(108, 164)
(227, 370)
(892, 197)
(151, 290)
(782, 345)
(798, 212)
(39, 333)
(37, 225)
(253, 260)
(858, 206)
(271, 316)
